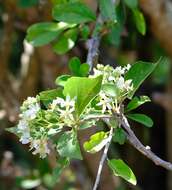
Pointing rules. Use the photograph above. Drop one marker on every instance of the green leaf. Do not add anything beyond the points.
(84, 70)
(141, 118)
(49, 95)
(96, 142)
(62, 163)
(132, 4)
(13, 130)
(136, 102)
(139, 21)
(74, 66)
(107, 9)
(43, 33)
(119, 136)
(114, 36)
(68, 145)
(139, 72)
(120, 168)
(110, 89)
(85, 31)
(73, 12)
(26, 4)
(66, 42)
(77, 68)
(84, 89)
(61, 80)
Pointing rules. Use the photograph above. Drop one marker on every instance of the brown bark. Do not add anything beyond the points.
(160, 21)
(161, 25)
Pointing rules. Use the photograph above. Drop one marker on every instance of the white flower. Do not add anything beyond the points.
(111, 78)
(127, 67)
(63, 103)
(97, 72)
(56, 102)
(30, 108)
(65, 109)
(119, 71)
(25, 138)
(40, 146)
(124, 85)
(23, 128)
(31, 112)
(68, 102)
(128, 85)
(22, 124)
(29, 101)
(105, 102)
(120, 83)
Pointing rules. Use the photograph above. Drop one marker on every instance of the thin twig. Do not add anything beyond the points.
(103, 158)
(97, 117)
(134, 141)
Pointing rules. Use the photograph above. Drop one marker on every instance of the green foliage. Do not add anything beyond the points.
(74, 65)
(114, 36)
(13, 130)
(84, 89)
(56, 2)
(26, 4)
(61, 80)
(110, 89)
(49, 95)
(62, 163)
(132, 4)
(136, 102)
(107, 9)
(74, 12)
(137, 15)
(78, 69)
(121, 169)
(85, 31)
(139, 72)
(141, 118)
(96, 142)
(66, 41)
(119, 136)
(84, 70)
(139, 21)
(43, 33)
(68, 145)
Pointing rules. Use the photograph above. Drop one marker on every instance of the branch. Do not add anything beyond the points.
(97, 117)
(104, 155)
(93, 45)
(134, 141)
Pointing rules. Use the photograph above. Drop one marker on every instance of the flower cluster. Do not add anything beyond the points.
(114, 87)
(29, 110)
(37, 125)
(64, 110)
(28, 129)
